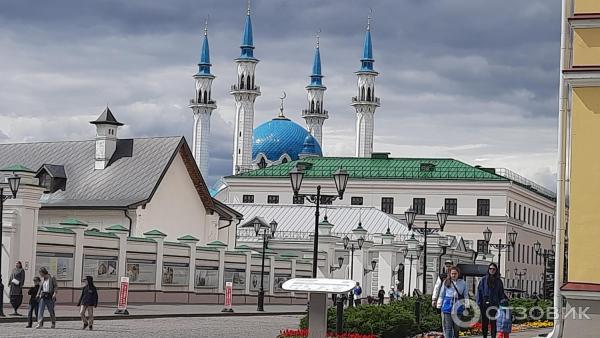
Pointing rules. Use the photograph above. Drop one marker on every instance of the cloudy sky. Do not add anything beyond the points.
(469, 79)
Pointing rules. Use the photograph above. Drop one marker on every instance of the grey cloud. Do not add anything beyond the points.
(466, 78)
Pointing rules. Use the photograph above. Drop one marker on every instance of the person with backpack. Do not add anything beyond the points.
(490, 292)
(88, 301)
(357, 291)
(454, 294)
(504, 320)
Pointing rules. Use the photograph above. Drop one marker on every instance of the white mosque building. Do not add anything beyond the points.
(279, 140)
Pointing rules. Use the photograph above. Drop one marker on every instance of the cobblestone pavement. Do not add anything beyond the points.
(217, 327)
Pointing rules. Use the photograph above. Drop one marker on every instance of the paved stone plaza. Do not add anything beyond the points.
(232, 327)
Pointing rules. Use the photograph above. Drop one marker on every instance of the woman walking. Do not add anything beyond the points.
(454, 292)
(489, 294)
(88, 301)
(46, 296)
(17, 278)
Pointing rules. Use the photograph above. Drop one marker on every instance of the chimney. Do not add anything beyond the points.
(106, 138)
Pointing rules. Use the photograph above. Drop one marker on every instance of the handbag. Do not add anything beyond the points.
(460, 308)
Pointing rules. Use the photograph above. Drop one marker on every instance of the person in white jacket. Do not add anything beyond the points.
(436, 300)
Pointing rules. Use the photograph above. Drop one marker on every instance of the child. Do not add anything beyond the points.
(504, 321)
(33, 301)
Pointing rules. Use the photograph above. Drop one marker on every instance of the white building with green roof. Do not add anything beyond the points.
(477, 198)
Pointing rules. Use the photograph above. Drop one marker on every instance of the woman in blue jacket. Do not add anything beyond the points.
(489, 294)
(453, 293)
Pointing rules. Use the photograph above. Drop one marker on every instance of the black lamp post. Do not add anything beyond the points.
(14, 182)
(360, 243)
(442, 217)
(512, 239)
(268, 232)
(520, 275)
(340, 177)
(545, 254)
(340, 263)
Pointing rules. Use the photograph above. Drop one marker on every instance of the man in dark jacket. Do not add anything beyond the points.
(88, 301)
(33, 301)
(380, 296)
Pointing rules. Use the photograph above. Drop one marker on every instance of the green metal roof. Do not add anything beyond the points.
(381, 167)
(155, 233)
(17, 167)
(96, 233)
(188, 238)
(116, 227)
(73, 222)
(56, 230)
(216, 243)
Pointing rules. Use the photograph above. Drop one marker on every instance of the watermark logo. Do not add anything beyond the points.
(465, 313)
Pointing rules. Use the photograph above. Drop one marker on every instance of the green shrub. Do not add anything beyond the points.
(390, 320)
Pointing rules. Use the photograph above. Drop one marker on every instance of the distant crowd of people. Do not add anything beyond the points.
(42, 296)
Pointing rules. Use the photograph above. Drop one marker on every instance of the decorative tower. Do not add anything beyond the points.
(244, 93)
(315, 115)
(365, 102)
(106, 138)
(202, 105)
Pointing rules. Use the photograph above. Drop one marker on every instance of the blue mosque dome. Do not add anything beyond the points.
(281, 136)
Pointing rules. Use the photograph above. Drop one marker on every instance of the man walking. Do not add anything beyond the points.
(380, 296)
(357, 292)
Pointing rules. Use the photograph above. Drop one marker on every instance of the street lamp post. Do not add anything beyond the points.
(442, 217)
(340, 177)
(266, 234)
(14, 182)
(512, 239)
(360, 243)
(545, 254)
(520, 275)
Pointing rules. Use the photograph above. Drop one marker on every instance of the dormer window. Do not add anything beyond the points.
(52, 177)
(427, 167)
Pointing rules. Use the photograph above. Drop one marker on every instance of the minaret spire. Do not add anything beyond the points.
(315, 115)
(244, 93)
(202, 106)
(365, 102)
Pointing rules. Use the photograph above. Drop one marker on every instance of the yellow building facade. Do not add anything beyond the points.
(580, 108)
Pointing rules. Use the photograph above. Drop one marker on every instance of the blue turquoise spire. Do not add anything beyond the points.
(247, 40)
(316, 76)
(204, 65)
(367, 59)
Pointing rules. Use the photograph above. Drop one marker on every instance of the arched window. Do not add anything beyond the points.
(312, 106)
(362, 93)
(248, 82)
(242, 82)
(205, 97)
(252, 83)
(285, 160)
(209, 95)
(318, 107)
(368, 94)
(262, 163)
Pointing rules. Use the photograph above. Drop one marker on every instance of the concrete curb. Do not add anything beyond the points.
(23, 319)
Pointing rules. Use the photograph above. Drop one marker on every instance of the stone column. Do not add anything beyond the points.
(221, 288)
(191, 241)
(411, 273)
(122, 233)
(386, 261)
(326, 244)
(78, 228)
(248, 271)
(272, 275)
(159, 237)
(359, 255)
(20, 220)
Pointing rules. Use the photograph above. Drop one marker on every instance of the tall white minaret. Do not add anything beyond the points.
(315, 115)
(202, 105)
(244, 93)
(365, 102)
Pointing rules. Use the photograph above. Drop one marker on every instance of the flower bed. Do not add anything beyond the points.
(302, 333)
(476, 329)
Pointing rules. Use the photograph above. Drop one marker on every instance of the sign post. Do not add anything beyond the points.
(318, 288)
(123, 295)
(228, 297)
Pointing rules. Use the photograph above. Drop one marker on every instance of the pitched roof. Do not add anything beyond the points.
(107, 117)
(299, 220)
(133, 174)
(380, 168)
